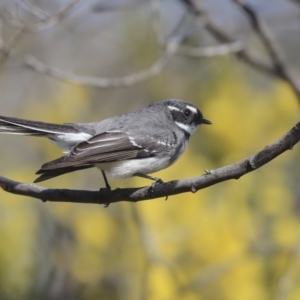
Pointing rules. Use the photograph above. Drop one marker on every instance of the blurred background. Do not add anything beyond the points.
(83, 61)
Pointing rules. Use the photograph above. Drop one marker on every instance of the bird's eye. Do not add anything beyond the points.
(187, 112)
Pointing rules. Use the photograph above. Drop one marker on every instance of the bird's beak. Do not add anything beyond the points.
(205, 121)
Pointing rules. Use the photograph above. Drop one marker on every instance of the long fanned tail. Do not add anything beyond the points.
(10, 125)
(64, 136)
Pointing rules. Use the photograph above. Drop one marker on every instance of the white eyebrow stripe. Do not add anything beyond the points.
(173, 108)
(193, 109)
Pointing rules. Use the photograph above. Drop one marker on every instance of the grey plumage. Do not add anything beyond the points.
(141, 142)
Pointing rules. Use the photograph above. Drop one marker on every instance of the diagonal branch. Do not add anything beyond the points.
(105, 196)
(278, 66)
(221, 35)
(271, 45)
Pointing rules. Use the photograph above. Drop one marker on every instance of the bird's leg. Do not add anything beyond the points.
(107, 186)
(156, 179)
(105, 180)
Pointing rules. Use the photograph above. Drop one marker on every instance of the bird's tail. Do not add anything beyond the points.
(48, 174)
(65, 136)
(10, 125)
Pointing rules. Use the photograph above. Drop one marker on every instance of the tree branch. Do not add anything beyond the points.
(32, 9)
(197, 52)
(105, 196)
(221, 35)
(274, 50)
(124, 81)
(278, 67)
(210, 51)
(44, 22)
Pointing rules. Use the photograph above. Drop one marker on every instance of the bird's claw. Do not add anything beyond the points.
(107, 188)
(157, 182)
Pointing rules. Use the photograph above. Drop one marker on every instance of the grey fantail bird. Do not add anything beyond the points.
(133, 144)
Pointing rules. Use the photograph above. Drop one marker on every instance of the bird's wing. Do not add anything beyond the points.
(109, 146)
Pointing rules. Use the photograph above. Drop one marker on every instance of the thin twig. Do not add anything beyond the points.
(104, 196)
(272, 46)
(124, 81)
(32, 9)
(101, 82)
(42, 24)
(220, 34)
(105, 6)
(6, 49)
(197, 52)
(210, 51)
(277, 68)
(48, 21)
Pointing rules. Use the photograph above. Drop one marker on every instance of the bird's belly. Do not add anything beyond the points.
(128, 168)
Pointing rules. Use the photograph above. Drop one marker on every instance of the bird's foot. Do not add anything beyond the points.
(107, 188)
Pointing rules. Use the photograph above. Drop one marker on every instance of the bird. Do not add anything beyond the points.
(133, 144)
